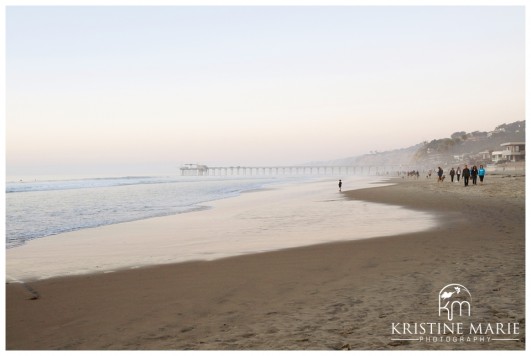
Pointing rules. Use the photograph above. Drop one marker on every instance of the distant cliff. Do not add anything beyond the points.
(471, 144)
(458, 147)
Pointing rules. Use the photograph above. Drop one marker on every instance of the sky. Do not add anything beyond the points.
(140, 90)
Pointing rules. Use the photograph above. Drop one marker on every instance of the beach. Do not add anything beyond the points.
(335, 295)
(275, 217)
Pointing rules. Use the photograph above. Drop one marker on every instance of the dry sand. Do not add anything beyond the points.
(329, 296)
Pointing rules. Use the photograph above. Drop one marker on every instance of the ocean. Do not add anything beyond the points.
(43, 208)
(77, 226)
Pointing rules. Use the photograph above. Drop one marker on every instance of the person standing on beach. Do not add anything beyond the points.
(474, 174)
(481, 173)
(466, 175)
(452, 174)
(340, 184)
(440, 174)
(458, 173)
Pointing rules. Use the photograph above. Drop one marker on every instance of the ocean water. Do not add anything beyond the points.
(85, 215)
(44, 208)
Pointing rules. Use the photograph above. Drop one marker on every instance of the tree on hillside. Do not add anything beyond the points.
(458, 135)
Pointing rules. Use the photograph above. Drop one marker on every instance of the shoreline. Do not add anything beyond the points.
(290, 216)
(327, 296)
(197, 206)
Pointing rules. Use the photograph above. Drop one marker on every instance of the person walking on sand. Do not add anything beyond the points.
(474, 174)
(452, 174)
(481, 173)
(458, 174)
(340, 184)
(440, 174)
(466, 175)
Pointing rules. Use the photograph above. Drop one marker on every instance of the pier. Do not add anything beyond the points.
(203, 170)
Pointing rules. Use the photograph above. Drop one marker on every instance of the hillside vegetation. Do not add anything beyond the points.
(459, 147)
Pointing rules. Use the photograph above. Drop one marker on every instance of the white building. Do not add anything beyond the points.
(512, 152)
(485, 155)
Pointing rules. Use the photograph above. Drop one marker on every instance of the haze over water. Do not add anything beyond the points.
(134, 90)
(125, 91)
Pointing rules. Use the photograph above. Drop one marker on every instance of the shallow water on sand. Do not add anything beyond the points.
(36, 209)
(285, 216)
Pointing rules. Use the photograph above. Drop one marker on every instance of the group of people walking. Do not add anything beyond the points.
(467, 174)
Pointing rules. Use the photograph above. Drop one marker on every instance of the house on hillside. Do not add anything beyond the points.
(512, 152)
(459, 158)
(485, 155)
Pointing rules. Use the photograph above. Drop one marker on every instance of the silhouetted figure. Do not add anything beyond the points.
(340, 184)
(474, 175)
(466, 175)
(452, 174)
(440, 174)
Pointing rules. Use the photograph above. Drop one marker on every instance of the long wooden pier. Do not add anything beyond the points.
(203, 170)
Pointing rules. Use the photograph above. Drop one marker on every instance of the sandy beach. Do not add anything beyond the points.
(279, 217)
(341, 295)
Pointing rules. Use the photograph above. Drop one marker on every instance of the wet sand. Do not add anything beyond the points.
(330, 296)
(287, 216)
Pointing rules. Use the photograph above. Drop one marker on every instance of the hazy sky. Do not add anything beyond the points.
(133, 89)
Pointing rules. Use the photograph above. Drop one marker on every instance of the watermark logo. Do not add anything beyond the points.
(454, 324)
(455, 299)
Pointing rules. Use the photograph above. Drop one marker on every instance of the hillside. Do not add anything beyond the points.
(460, 146)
